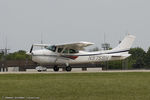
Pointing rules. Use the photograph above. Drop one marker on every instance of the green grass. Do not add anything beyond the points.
(78, 86)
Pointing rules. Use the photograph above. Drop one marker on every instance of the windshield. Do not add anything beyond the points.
(52, 48)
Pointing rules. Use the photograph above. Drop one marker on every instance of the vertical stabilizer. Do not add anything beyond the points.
(126, 43)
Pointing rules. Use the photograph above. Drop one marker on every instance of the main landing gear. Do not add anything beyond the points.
(56, 68)
(68, 68)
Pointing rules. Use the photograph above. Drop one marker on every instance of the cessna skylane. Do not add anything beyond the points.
(73, 53)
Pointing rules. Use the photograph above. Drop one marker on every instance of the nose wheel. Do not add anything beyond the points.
(56, 68)
(68, 68)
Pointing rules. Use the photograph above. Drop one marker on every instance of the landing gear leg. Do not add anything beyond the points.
(68, 68)
(56, 68)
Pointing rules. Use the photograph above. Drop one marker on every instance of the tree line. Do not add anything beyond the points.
(19, 55)
(139, 58)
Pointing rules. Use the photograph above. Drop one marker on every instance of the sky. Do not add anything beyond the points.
(24, 22)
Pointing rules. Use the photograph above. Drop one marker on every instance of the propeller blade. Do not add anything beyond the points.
(31, 49)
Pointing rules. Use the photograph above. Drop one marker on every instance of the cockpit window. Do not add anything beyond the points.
(65, 51)
(60, 50)
(52, 48)
(73, 51)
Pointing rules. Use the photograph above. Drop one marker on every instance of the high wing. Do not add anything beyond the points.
(41, 45)
(76, 46)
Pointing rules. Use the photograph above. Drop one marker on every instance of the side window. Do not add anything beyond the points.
(60, 50)
(73, 51)
(65, 51)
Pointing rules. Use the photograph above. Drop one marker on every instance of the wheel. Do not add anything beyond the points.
(68, 68)
(56, 69)
(39, 70)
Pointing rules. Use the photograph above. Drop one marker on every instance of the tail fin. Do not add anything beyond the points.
(126, 43)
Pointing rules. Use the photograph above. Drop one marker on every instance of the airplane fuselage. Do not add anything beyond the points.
(46, 57)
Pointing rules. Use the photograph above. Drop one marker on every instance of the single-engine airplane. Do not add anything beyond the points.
(73, 53)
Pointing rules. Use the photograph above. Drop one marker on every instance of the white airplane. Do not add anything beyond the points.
(72, 53)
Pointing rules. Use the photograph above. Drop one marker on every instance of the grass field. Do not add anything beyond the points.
(78, 86)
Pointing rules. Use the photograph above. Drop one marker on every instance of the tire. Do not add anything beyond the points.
(56, 69)
(68, 68)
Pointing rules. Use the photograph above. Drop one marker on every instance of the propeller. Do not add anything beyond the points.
(30, 53)
(31, 49)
